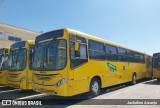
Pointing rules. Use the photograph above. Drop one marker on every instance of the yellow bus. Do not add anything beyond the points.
(21, 54)
(156, 66)
(68, 62)
(4, 64)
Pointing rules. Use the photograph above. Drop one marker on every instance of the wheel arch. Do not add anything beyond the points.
(134, 73)
(98, 78)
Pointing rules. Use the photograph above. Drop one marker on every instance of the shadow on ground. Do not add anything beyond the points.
(152, 82)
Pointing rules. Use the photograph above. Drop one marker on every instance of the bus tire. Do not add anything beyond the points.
(134, 80)
(95, 88)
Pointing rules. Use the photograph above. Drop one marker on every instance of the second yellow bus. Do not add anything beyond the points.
(20, 75)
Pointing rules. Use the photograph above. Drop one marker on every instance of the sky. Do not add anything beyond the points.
(132, 23)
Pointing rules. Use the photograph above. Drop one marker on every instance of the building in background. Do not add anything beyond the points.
(10, 34)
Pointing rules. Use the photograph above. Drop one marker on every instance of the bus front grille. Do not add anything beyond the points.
(44, 77)
(13, 75)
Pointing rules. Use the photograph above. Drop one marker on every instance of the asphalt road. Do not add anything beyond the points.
(143, 90)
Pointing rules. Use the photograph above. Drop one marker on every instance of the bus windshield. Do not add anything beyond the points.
(18, 59)
(50, 55)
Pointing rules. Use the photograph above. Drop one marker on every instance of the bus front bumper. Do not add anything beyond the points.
(58, 91)
(17, 85)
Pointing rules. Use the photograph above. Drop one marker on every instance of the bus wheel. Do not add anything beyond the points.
(134, 81)
(94, 88)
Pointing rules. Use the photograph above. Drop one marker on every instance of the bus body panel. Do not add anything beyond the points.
(156, 73)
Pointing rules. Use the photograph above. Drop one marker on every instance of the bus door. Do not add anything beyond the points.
(78, 63)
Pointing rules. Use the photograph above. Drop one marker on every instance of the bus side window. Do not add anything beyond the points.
(122, 54)
(130, 57)
(111, 52)
(83, 57)
(96, 50)
(142, 60)
(137, 57)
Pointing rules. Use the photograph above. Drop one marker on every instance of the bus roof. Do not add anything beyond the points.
(100, 39)
(22, 43)
(94, 38)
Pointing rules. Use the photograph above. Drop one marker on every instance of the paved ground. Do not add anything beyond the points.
(142, 90)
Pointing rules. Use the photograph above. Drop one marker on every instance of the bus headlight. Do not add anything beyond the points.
(22, 79)
(60, 82)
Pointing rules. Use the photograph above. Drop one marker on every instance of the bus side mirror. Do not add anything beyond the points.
(76, 47)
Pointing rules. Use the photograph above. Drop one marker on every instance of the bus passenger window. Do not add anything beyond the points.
(111, 52)
(122, 54)
(136, 57)
(142, 60)
(130, 57)
(96, 50)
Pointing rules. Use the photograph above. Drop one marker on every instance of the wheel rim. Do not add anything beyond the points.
(95, 87)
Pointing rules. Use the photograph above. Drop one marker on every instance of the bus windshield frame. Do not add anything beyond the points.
(50, 55)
